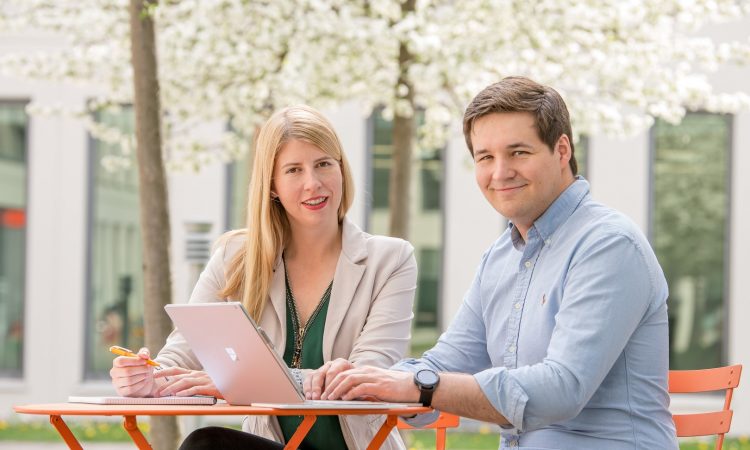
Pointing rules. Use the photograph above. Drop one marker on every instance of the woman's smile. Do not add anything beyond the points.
(316, 203)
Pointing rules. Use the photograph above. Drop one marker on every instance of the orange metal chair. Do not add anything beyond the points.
(705, 380)
(444, 421)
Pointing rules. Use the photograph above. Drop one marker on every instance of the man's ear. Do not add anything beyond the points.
(562, 147)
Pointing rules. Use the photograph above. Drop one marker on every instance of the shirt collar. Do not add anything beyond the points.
(557, 213)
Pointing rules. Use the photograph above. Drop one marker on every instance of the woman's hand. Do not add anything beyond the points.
(132, 376)
(316, 381)
(185, 382)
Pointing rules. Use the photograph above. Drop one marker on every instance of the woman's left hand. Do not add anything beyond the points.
(185, 382)
(317, 380)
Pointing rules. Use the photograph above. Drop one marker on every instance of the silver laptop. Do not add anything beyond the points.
(241, 360)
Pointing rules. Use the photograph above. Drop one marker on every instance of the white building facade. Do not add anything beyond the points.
(69, 258)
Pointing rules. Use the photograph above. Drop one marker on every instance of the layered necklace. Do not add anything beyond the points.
(299, 329)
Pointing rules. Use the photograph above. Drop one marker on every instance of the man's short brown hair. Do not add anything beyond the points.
(520, 94)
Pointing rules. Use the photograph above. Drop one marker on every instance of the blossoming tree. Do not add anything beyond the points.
(619, 64)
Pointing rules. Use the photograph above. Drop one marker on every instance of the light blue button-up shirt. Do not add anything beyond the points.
(566, 333)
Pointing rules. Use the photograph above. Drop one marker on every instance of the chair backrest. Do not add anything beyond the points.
(444, 421)
(705, 380)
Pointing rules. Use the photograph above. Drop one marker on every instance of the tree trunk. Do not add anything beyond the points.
(399, 192)
(155, 231)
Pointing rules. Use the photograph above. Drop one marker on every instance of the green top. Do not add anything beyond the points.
(326, 432)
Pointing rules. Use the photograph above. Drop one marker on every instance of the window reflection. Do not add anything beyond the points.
(582, 157)
(689, 222)
(115, 303)
(13, 132)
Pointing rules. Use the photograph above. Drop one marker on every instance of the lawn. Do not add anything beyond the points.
(423, 440)
(89, 431)
(42, 431)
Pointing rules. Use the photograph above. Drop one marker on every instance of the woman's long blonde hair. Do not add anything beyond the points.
(250, 271)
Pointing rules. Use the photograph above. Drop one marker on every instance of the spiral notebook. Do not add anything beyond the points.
(195, 400)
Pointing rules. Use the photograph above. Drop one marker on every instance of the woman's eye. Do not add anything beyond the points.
(293, 170)
(324, 164)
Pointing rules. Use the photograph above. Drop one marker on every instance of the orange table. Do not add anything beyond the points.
(55, 411)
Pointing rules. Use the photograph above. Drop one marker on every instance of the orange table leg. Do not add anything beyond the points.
(131, 426)
(65, 432)
(383, 432)
(440, 436)
(300, 434)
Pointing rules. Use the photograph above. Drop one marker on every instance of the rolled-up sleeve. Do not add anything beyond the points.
(504, 392)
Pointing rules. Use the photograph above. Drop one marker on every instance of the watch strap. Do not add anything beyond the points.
(425, 396)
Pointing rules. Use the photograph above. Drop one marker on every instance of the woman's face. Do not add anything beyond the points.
(308, 183)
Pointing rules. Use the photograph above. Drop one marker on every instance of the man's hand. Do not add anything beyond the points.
(457, 393)
(316, 382)
(372, 383)
(185, 382)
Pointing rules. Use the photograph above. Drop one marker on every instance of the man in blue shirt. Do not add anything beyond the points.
(562, 337)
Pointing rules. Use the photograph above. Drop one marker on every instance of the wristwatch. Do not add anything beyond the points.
(427, 381)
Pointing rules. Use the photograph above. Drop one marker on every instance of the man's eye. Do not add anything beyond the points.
(519, 153)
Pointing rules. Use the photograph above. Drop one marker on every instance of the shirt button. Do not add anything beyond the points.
(512, 349)
(527, 264)
(517, 305)
(548, 241)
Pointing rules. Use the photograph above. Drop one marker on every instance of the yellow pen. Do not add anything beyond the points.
(122, 351)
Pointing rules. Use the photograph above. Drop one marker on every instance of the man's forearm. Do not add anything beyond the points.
(460, 394)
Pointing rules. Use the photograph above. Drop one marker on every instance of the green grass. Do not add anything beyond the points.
(487, 440)
(422, 440)
(90, 431)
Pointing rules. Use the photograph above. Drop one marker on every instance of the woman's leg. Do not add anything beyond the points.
(210, 438)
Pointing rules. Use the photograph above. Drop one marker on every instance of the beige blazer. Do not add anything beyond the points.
(368, 322)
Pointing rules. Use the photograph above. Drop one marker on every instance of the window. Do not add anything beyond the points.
(115, 289)
(381, 161)
(238, 181)
(690, 198)
(13, 140)
(428, 170)
(582, 156)
(426, 218)
(428, 287)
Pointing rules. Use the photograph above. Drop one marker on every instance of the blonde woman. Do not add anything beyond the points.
(319, 286)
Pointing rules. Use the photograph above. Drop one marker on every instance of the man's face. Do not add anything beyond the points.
(517, 172)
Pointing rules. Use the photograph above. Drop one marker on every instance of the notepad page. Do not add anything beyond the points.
(196, 400)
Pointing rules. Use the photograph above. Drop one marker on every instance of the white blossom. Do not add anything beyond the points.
(618, 63)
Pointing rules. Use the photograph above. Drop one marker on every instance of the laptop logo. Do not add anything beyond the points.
(232, 354)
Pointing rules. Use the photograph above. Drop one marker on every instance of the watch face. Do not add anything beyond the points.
(427, 377)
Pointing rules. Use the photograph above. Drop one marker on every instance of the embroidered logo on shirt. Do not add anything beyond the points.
(544, 299)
